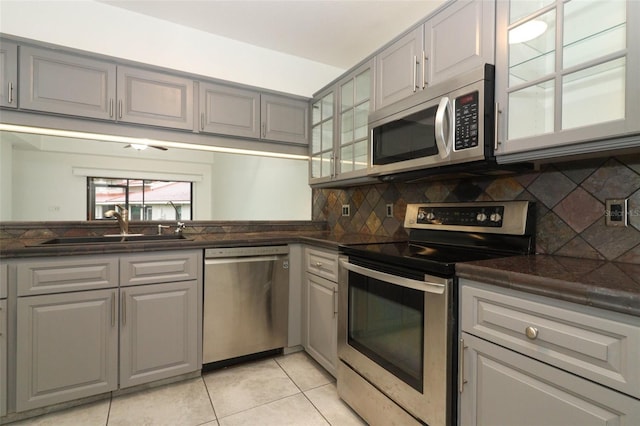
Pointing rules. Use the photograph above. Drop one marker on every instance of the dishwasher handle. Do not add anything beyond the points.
(246, 259)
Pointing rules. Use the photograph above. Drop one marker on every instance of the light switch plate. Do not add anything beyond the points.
(616, 212)
(346, 210)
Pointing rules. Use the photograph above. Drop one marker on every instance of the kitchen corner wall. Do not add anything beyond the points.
(570, 205)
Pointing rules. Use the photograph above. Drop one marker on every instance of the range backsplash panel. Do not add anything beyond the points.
(570, 205)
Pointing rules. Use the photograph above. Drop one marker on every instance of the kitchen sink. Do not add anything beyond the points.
(113, 238)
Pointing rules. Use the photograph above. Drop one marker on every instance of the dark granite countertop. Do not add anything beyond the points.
(32, 247)
(608, 285)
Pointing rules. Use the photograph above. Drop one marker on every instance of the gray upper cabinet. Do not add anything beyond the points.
(154, 98)
(229, 110)
(8, 74)
(572, 87)
(398, 71)
(457, 39)
(284, 119)
(63, 83)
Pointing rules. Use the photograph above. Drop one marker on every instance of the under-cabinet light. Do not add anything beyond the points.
(527, 31)
(144, 142)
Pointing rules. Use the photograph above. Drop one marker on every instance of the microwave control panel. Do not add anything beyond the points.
(466, 121)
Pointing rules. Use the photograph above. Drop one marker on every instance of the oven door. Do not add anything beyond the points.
(395, 332)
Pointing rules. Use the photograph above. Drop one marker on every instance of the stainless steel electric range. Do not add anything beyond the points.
(397, 344)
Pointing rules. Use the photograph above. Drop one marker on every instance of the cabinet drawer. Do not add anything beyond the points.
(322, 263)
(596, 344)
(60, 275)
(3, 280)
(158, 268)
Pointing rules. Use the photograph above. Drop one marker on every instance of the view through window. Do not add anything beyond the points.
(144, 199)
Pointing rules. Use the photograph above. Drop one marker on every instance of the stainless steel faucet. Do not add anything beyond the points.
(180, 225)
(123, 218)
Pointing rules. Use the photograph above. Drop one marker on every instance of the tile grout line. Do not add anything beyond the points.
(209, 396)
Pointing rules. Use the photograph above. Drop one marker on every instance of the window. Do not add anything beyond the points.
(144, 199)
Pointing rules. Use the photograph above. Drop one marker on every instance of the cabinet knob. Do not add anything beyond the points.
(531, 332)
(318, 264)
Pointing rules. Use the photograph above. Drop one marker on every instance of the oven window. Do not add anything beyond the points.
(386, 323)
(406, 139)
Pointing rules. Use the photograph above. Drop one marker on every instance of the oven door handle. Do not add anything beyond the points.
(431, 284)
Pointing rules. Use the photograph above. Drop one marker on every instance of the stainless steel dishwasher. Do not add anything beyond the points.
(246, 301)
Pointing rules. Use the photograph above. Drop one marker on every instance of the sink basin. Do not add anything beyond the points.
(105, 239)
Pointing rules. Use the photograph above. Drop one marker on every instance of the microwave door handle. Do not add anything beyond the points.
(443, 141)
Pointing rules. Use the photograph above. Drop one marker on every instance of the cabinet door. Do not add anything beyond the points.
(571, 87)
(459, 39)
(63, 83)
(284, 119)
(154, 98)
(506, 388)
(3, 357)
(322, 322)
(8, 74)
(67, 347)
(323, 131)
(355, 103)
(229, 110)
(399, 69)
(158, 335)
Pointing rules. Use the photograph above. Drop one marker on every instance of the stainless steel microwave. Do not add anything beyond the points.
(448, 124)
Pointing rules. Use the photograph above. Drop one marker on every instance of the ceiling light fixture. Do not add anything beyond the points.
(527, 31)
(144, 142)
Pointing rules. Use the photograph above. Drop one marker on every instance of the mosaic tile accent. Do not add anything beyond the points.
(570, 205)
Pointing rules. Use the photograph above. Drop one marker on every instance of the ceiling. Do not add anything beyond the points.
(339, 33)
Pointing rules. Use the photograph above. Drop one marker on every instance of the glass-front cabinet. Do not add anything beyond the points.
(567, 77)
(340, 136)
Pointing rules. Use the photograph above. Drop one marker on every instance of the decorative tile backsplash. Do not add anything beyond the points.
(570, 205)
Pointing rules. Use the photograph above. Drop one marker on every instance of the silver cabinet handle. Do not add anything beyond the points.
(111, 107)
(10, 92)
(120, 108)
(113, 309)
(531, 332)
(496, 126)
(425, 58)
(461, 380)
(124, 308)
(264, 130)
(335, 303)
(415, 72)
(202, 121)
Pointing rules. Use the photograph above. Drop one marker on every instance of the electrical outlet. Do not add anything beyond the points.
(389, 210)
(616, 212)
(346, 210)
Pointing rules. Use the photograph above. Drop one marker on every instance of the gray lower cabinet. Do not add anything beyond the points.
(87, 325)
(320, 334)
(154, 98)
(64, 83)
(284, 119)
(506, 388)
(229, 110)
(158, 331)
(3, 357)
(67, 347)
(8, 74)
(532, 360)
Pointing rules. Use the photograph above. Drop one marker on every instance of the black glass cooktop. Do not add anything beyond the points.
(426, 258)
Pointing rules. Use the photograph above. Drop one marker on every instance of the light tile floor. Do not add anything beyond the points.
(286, 390)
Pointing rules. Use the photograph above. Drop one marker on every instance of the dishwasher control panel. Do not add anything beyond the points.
(245, 251)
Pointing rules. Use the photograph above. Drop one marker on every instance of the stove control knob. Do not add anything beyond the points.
(496, 217)
(420, 215)
(431, 216)
(481, 217)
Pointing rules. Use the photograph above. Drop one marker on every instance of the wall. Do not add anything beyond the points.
(570, 205)
(108, 30)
